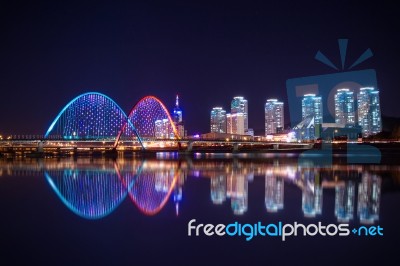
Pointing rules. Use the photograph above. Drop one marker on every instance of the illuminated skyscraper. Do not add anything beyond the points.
(240, 105)
(177, 118)
(218, 120)
(311, 105)
(274, 116)
(235, 123)
(369, 111)
(344, 107)
(162, 129)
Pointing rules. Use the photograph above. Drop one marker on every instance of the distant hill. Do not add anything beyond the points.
(390, 128)
(389, 124)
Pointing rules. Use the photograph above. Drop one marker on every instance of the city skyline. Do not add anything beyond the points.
(368, 115)
(363, 112)
(128, 50)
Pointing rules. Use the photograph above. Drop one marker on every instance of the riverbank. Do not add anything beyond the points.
(373, 152)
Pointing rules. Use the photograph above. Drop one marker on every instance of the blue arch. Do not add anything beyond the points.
(74, 209)
(128, 186)
(92, 93)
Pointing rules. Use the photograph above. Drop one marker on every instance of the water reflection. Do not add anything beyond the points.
(369, 194)
(274, 192)
(344, 201)
(90, 194)
(311, 192)
(94, 188)
(152, 189)
(237, 191)
(218, 189)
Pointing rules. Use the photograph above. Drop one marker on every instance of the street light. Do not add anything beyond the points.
(333, 134)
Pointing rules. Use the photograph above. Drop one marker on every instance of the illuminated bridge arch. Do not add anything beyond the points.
(151, 120)
(89, 116)
(91, 194)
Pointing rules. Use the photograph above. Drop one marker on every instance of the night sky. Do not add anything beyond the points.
(206, 52)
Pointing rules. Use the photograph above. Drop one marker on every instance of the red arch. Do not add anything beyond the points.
(136, 106)
(163, 202)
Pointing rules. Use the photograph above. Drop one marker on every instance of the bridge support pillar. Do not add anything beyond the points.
(235, 147)
(276, 146)
(190, 146)
(40, 146)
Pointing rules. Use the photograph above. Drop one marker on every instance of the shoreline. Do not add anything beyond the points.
(337, 149)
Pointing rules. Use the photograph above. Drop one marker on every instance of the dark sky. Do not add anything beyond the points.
(207, 52)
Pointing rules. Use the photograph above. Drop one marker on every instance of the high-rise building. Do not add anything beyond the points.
(178, 119)
(344, 107)
(369, 111)
(274, 116)
(162, 129)
(312, 107)
(218, 120)
(235, 123)
(240, 105)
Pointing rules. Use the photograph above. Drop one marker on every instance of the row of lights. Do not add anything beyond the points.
(3, 138)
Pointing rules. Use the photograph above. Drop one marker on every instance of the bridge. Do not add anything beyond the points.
(185, 146)
(93, 123)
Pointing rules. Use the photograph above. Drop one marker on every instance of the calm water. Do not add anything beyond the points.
(87, 211)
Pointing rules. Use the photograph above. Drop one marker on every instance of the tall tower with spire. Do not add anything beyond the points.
(177, 118)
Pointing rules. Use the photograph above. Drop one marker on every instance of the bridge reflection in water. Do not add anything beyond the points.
(93, 188)
(88, 193)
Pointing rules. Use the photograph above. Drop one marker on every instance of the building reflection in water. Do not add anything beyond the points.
(311, 192)
(178, 191)
(344, 201)
(369, 193)
(94, 188)
(218, 189)
(237, 191)
(274, 192)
